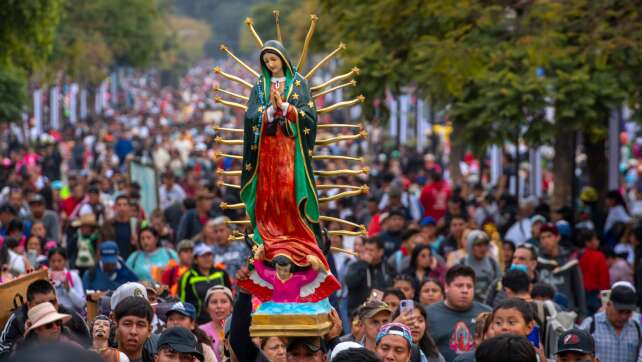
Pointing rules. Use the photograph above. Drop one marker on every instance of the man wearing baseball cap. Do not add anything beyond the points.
(372, 315)
(311, 349)
(394, 343)
(617, 336)
(110, 272)
(178, 344)
(184, 315)
(575, 345)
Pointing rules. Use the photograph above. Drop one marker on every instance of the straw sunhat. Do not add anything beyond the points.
(43, 314)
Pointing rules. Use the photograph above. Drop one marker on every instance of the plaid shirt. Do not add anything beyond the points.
(610, 347)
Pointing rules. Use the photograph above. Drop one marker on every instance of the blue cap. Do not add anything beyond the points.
(428, 220)
(109, 252)
(186, 309)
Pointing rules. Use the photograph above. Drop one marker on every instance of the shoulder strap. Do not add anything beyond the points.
(540, 312)
(637, 328)
(136, 259)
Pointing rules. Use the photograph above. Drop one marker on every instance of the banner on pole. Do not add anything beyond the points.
(147, 178)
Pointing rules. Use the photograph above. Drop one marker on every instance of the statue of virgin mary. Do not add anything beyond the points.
(277, 182)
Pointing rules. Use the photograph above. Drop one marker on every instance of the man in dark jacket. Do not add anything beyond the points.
(368, 273)
(39, 291)
(110, 272)
(193, 220)
(119, 229)
(559, 267)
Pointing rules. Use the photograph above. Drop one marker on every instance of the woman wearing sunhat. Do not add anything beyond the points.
(45, 324)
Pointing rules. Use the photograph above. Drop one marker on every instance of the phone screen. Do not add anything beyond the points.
(406, 306)
(534, 337)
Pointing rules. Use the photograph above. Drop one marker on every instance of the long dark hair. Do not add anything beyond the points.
(425, 343)
(415, 255)
(153, 232)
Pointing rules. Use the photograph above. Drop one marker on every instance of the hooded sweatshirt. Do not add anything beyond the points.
(563, 273)
(486, 269)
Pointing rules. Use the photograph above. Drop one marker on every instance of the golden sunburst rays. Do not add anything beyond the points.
(219, 71)
(322, 93)
(354, 71)
(279, 36)
(359, 99)
(317, 90)
(250, 24)
(324, 60)
(227, 50)
(331, 181)
(306, 42)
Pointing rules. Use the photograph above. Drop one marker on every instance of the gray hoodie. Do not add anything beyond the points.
(486, 269)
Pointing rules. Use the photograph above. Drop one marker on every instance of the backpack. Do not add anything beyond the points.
(552, 324)
(85, 256)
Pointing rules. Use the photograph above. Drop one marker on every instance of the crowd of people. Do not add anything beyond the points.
(446, 272)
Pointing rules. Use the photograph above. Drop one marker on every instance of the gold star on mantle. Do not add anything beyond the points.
(302, 113)
(297, 83)
(260, 109)
(295, 96)
(311, 104)
(255, 129)
(248, 167)
(306, 131)
(253, 147)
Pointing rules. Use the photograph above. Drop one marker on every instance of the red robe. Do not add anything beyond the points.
(278, 218)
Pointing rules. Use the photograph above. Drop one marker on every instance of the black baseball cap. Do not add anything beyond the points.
(576, 340)
(180, 340)
(36, 199)
(623, 298)
(314, 344)
(8, 209)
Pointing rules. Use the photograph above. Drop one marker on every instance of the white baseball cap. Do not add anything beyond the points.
(342, 347)
(131, 289)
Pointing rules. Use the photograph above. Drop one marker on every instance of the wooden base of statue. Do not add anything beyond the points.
(290, 325)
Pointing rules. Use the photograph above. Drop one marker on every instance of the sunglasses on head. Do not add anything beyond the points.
(52, 324)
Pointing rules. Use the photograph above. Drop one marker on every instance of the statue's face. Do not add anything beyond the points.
(283, 271)
(101, 329)
(273, 63)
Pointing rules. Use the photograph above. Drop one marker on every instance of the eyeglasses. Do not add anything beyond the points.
(50, 325)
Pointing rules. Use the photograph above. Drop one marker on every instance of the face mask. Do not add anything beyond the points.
(519, 267)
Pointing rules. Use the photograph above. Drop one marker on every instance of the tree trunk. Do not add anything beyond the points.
(597, 165)
(563, 174)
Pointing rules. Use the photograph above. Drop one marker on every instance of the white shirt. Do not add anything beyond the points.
(520, 232)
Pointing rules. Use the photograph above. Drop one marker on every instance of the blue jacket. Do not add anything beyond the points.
(97, 279)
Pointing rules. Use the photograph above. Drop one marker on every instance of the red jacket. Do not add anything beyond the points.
(595, 271)
(434, 199)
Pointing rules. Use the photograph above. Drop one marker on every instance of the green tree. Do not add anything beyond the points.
(26, 35)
